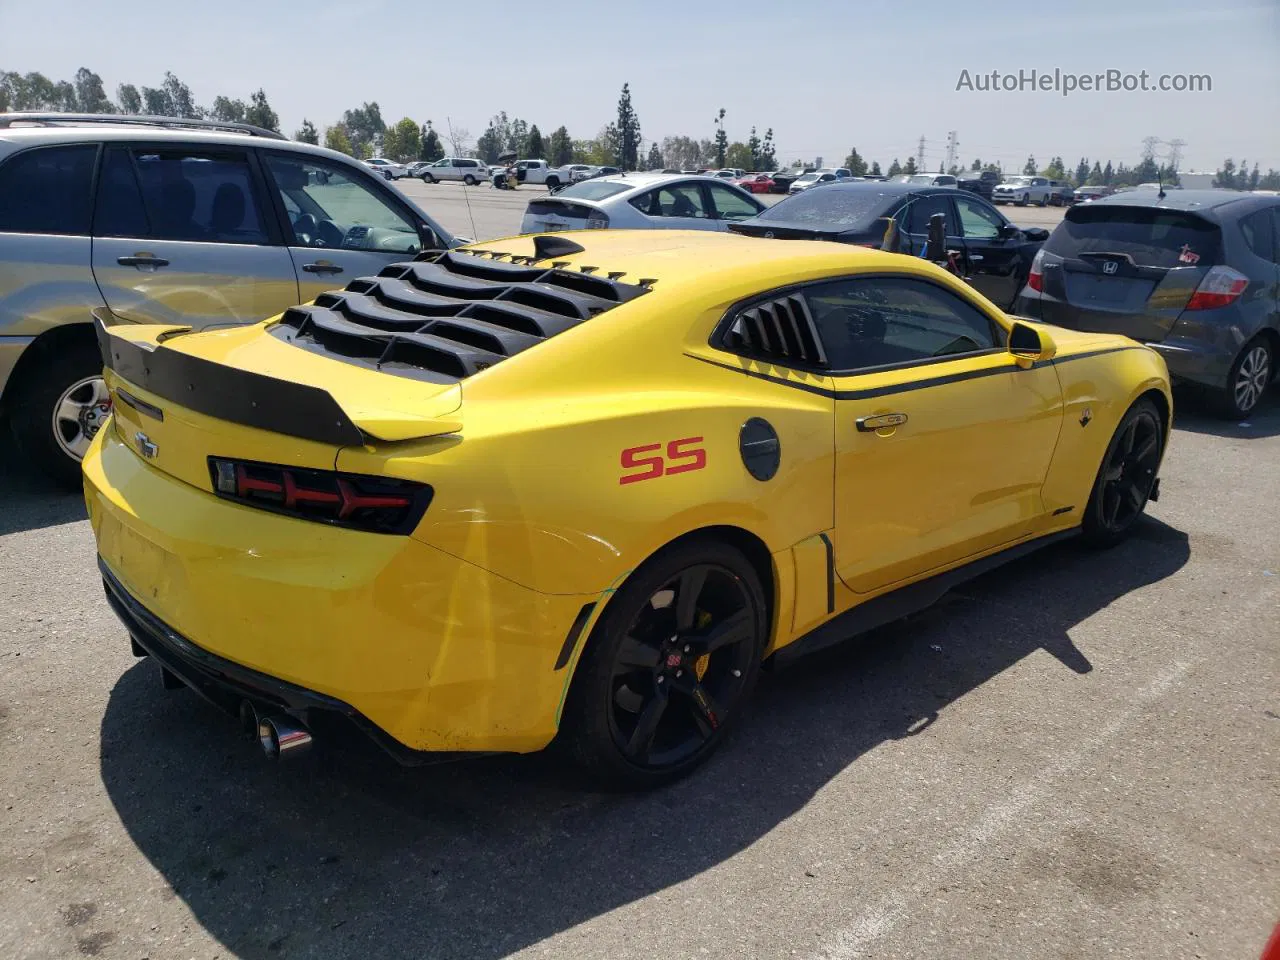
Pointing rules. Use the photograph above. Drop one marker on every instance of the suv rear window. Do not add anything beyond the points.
(1152, 237)
(47, 190)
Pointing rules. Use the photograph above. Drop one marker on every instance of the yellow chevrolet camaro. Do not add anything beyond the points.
(578, 489)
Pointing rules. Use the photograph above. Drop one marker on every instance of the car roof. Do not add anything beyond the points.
(1175, 199)
(644, 180)
(16, 138)
(887, 188)
(677, 259)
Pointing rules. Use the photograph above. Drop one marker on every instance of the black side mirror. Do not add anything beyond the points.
(1036, 234)
(1008, 231)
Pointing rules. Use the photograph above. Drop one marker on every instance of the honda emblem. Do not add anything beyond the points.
(1110, 267)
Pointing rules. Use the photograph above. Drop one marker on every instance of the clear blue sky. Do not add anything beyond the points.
(825, 75)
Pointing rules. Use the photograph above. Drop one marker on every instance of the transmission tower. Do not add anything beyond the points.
(1149, 147)
(920, 154)
(1175, 153)
(953, 145)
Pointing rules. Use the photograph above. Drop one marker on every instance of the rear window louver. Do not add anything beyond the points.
(444, 317)
(779, 329)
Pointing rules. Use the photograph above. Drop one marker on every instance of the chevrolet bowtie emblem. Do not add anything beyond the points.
(145, 446)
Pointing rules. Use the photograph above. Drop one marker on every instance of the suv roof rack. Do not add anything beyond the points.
(7, 120)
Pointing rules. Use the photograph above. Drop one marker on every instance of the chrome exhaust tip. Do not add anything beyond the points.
(282, 738)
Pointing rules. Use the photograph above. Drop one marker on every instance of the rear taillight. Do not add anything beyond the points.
(1220, 286)
(1035, 279)
(375, 504)
(598, 220)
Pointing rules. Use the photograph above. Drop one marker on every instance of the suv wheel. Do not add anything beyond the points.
(61, 405)
(1044, 200)
(552, 183)
(469, 180)
(1248, 381)
(428, 178)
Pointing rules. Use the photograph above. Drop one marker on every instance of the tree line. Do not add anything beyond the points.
(361, 132)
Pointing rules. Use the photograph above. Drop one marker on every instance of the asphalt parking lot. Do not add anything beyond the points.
(484, 213)
(1075, 756)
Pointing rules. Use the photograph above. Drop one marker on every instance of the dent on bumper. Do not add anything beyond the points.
(436, 652)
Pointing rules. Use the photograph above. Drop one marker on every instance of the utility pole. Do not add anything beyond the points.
(920, 154)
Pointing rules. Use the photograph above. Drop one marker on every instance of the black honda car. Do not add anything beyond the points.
(1194, 274)
(994, 255)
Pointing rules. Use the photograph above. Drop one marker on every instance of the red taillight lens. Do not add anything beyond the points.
(1035, 279)
(375, 504)
(1220, 286)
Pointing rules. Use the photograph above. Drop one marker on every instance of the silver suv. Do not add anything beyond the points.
(153, 220)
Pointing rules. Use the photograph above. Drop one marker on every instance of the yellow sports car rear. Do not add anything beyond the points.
(582, 488)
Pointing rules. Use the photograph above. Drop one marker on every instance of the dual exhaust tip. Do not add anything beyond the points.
(280, 737)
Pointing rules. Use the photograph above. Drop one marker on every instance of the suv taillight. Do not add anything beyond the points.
(374, 504)
(1035, 279)
(1220, 286)
(598, 220)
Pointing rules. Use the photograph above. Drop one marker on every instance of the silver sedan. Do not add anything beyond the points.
(631, 201)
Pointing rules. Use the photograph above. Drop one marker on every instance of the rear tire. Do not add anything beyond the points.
(645, 708)
(1125, 476)
(552, 183)
(428, 178)
(66, 379)
(1247, 383)
(469, 180)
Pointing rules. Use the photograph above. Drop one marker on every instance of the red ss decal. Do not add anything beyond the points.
(681, 458)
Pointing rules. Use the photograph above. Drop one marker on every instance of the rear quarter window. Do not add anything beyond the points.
(47, 190)
(1151, 236)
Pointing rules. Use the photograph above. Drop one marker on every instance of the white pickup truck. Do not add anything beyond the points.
(1023, 190)
(539, 171)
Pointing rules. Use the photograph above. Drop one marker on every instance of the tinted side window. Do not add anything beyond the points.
(199, 196)
(681, 200)
(47, 190)
(1257, 233)
(921, 209)
(729, 204)
(880, 321)
(120, 212)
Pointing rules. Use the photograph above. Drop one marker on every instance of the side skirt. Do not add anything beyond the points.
(907, 600)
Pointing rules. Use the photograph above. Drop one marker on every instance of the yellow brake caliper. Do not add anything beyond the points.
(700, 665)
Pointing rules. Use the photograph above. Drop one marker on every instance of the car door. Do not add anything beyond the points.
(942, 441)
(678, 206)
(183, 234)
(338, 224)
(992, 258)
(726, 205)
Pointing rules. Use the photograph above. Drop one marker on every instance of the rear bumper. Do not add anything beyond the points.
(1195, 361)
(427, 652)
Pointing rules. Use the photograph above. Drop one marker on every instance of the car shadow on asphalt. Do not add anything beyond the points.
(344, 855)
(28, 500)
(1192, 412)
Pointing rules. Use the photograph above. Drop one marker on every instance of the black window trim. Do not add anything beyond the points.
(93, 182)
(374, 182)
(717, 339)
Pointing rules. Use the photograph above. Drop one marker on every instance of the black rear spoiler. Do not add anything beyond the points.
(228, 393)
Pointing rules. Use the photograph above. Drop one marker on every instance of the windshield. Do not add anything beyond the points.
(807, 178)
(1151, 237)
(835, 206)
(595, 189)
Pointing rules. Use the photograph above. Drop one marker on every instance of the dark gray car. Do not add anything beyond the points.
(1195, 274)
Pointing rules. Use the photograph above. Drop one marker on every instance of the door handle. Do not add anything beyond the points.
(871, 424)
(321, 266)
(975, 258)
(142, 260)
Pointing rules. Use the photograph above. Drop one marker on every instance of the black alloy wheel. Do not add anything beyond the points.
(668, 667)
(1127, 475)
